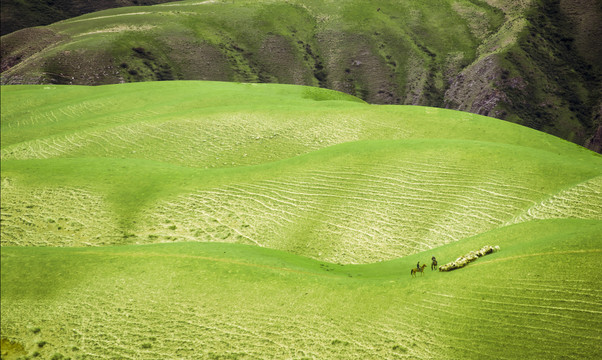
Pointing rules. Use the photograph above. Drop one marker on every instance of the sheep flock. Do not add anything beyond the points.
(471, 256)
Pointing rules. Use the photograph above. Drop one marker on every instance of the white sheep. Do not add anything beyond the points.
(471, 256)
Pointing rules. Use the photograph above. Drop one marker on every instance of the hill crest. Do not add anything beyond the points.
(483, 57)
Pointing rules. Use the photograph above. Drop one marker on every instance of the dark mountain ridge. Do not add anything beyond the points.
(17, 15)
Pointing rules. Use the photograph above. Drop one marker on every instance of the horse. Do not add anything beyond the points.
(415, 270)
(434, 265)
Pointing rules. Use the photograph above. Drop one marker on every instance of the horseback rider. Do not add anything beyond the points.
(418, 265)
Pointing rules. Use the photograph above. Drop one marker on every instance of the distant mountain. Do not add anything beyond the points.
(536, 63)
(17, 15)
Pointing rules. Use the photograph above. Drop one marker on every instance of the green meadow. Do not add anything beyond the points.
(540, 293)
(214, 220)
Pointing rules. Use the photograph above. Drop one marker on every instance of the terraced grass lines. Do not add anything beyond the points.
(257, 221)
(55, 216)
(581, 201)
(195, 299)
(359, 208)
(219, 123)
(323, 182)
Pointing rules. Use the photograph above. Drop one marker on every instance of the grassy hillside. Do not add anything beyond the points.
(381, 51)
(306, 170)
(217, 220)
(541, 293)
(17, 15)
(528, 62)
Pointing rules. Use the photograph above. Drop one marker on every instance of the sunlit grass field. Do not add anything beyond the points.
(223, 220)
(540, 292)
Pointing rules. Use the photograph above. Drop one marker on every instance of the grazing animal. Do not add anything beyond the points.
(414, 270)
(471, 256)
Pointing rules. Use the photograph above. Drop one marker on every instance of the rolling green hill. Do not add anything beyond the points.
(301, 169)
(193, 219)
(529, 62)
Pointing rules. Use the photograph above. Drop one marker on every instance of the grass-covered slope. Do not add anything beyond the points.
(277, 221)
(540, 293)
(306, 170)
(529, 62)
(385, 51)
(17, 15)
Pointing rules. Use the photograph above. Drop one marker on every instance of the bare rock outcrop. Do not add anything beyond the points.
(474, 88)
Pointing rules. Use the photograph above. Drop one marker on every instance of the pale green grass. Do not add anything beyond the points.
(301, 169)
(292, 217)
(211, 124)
(540, 293)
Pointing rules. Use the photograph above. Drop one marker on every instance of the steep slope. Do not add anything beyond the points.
(383, 52)
(539, 72)
(527, 62)
(540, 292)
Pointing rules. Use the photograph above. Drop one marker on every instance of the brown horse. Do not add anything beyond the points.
(415, 270)
(434, 264)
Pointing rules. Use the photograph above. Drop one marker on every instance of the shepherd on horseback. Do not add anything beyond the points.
(434, 263)
(419, 269)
